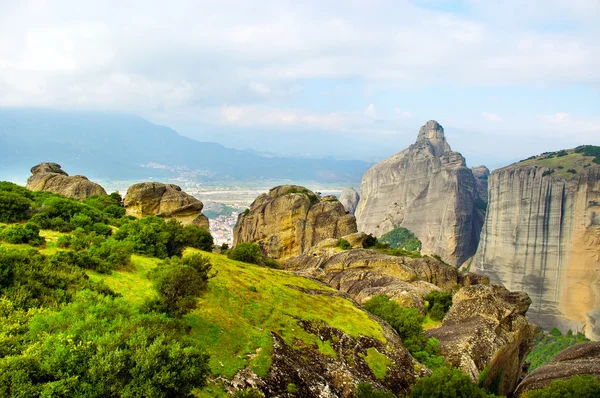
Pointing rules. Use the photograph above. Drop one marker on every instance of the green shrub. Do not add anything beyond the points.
(179, 283)
(546, 346)
(438, 304)
(575, 387)
(366, 390)
(447, 383)
(28, 233)
(408, 322)
(198, 238)
(344, 244)
(247, 253)
(590, 150)
(152, 236)
(401, 238)
(370, 241)
(248, 393)
(14, 207)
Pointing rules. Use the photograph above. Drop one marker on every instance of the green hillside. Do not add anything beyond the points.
(566, 163)
(244, 304)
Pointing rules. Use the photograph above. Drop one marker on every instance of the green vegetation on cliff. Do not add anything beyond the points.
(575, 387)
(565, 163)
(401, 238)
(550, 344)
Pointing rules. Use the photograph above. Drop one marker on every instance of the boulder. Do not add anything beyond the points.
(290, 220)
(486, 327)
(577, 360)
(427, 189)
(50, 177)
(164, 200)
(349, 199)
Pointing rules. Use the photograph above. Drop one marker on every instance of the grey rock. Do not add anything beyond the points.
(427, 189)
(349, 199)
(50, 177)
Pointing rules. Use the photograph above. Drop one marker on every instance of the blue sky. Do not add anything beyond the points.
(348, 79)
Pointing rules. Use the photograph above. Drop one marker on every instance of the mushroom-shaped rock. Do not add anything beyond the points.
(164, 200)
(577, 360)
(487, 327)
(290, 220)
(50, 177)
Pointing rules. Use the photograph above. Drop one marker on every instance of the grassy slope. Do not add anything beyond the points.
(575, 161)
(244, 304)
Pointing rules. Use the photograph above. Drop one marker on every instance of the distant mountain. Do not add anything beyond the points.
(118, 146)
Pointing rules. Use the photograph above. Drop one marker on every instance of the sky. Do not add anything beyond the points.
(348, 79)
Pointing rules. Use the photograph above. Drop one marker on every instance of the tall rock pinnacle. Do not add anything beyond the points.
(427, 189)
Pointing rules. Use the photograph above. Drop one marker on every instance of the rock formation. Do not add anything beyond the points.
(164, 200)
(481, 174)
(427, 189)
(364, 274)
(577, 360)
(51, 177)
(290, 220)
(486, 327)
(542, 236)
(349, 199)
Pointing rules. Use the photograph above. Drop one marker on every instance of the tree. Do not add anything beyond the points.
(365, 390)
(13, 207)
(438, 304)
(575, 387)
(198, 238)
(447, 383)
(247, 253)
(179, 283)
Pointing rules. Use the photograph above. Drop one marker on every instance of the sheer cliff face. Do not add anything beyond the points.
(290, 220)
(542, 236)
(427, 189)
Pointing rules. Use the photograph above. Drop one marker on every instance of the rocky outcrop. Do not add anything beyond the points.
(290, 220)
(164, 200)
(51, 177)
(349, 199)
(427, 189)
(481, 174)
(486, 327)
(364, 274)
(542, 236)
(578, 360)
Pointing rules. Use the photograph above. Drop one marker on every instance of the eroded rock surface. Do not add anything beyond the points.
(481, 174)
(349, 199)
(290, 220)
(164, 200)
(427, 189)
(578, 360)
(542, 236)
(51, 177)
(364, 274)
(487, 326)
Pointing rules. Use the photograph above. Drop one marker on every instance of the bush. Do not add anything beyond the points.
(447, 383)
(103, 347)
(198, 238)
(547, 346)
(247, 253)
(179, 283)
(14, 207)
(344, 244)
(248, 393)
(17, 233)
(151, 236)
(408, 322)
(575, 387)
(401, 238)
(370, 241)
(365, 390)
(438, 304)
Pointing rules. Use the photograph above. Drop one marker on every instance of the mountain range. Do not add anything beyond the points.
(120, 146)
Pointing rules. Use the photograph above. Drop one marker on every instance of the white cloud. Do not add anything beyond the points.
(267, 116)
(400, 113)
(259, 88)
(370, 111)
(491, 117)
(557, 118)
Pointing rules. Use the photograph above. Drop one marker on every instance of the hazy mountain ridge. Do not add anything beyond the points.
(122, 146)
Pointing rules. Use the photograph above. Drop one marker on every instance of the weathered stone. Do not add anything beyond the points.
(51, 178)
(486, 327)
(481, 174)
(427, 189)
(542, 236)
(349, 199)
(290, 220)
(577, 360)
(164, 200)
